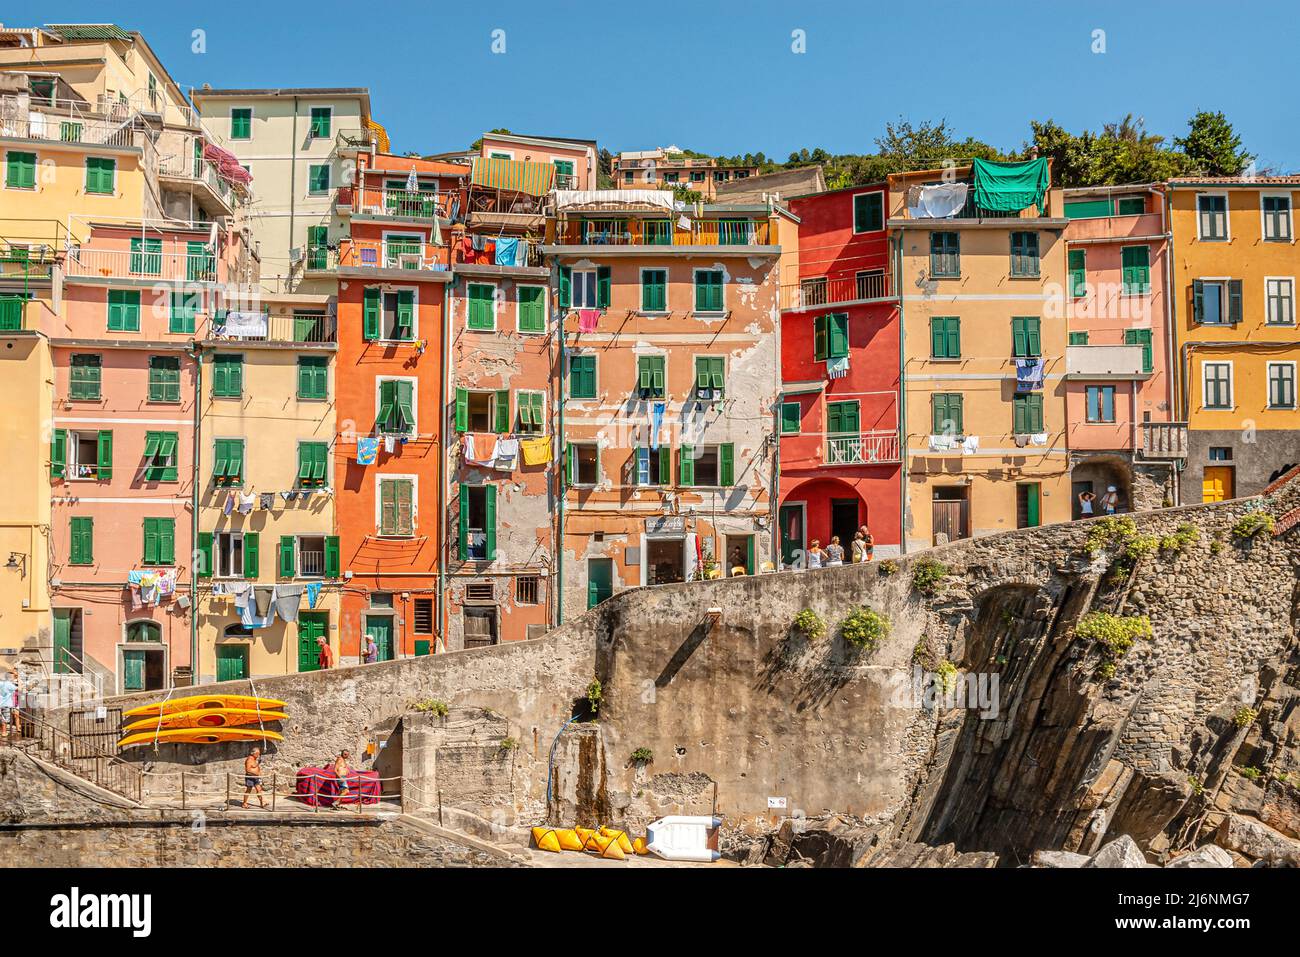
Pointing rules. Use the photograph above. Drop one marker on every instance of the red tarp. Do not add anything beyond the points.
(320, 787)
(227, 164)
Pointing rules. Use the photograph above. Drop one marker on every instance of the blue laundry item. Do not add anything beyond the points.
(367, 449)
(248, 617)
(1029, 375)
(313, 591)
(507, 252)
(656, 420)
(136, 577)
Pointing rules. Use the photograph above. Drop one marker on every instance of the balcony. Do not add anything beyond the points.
(298, 329)
(362, 254)
(148, 265)
(356, 140)
(1105, 363)
(866, 286)
(1164, 440)
(867, 448)
(197, 172)
(26, 262)
(67, 127)
(665, 232)
(376, 201)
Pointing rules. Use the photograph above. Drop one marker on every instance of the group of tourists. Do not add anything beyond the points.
(861, 549)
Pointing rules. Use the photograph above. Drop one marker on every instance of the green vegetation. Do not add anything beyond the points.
(1115, 633)
(947, 675)
(1251, 773)
(1248, 526)
(865, 629)
(642, 756)
(1110, 532)
(432, 706)
(888, 567)
(1197, 787)
(507, 744)
(1183, 538)
(595, 695)
(810, 624)
(928, 575)
(1244, 717)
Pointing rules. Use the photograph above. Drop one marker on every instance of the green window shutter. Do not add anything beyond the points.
(482, 306)
(501, 411)
(686, 460)
(702, 372)
(20, 170)
(405, 314)
(221, 461)
(370, 314)
(227, 376)
(82, 544)
(463, 525)
(1024, 254)
(236, 471)
(582, 377)
(100, 174)
(1035, 412)
(1026, 338)
(791, 418)
(1135, 270)
(654, 296)
(820, 338)
(150, 556)
(1141, 337)
(665, 465)
(205, 555)
(532, 308)
(304, 463)
(332, 557)
(388, 507)
(1198, 300)
(85, 373)
(1078, 338)
(405, 393)
(167, 541)
(320, 122)
(868, 212)
(1027, 415)
(123, 310)
(58, 453)
(105, 463)
(252, 561)
(566, 287)
(241, 124)
(462, 410)
(288, 565)
(1234, 301)
(313, 377)
(1077, 260)
(603, 284)
(490, 520)
(837, 326)
(644, 373)
(184, 307)
(727, 464)
(318, 178)
(164, 379)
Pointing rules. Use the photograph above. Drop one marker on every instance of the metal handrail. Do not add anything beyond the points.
(99, 767)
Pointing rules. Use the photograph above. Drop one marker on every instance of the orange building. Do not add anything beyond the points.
(393, 270)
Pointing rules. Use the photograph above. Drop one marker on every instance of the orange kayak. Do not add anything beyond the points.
(205, 701)
(196, 736)
(207, 718)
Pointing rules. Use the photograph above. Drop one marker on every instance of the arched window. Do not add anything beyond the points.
(144, 631)
(237, 631)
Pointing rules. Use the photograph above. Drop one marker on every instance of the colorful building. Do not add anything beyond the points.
(669, 394)
(575, 161)
(669, 167)
(839, 456)
(1119, 381)
(980, 259)
(1234, 275)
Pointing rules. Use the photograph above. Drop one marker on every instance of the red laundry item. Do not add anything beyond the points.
(320, 787)
(467, 253)
(588, 319)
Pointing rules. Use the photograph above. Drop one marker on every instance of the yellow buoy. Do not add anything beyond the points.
(546, 840)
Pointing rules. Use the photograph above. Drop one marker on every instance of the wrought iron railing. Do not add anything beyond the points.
(866, 448)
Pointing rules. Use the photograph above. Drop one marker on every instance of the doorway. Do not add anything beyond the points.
(1029, 508)
(740, 547)
(380, 628)
(664, 563)
(143, 669)
(1218, 483)
(950, 513)
(844, 521)
(232, 662)
(311, 625)
(480, 624)
(791, 518)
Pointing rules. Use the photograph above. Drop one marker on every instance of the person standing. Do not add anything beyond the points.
(8, 704)
(835, 552)
(325, 657)
(1086, 498)
(815, 554)
(859, 549)
(1110, 501)
(371, 654)
(868, 543)
(253, 777)
(341, 771)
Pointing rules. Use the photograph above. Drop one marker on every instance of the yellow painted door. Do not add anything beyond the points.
(1216, 486)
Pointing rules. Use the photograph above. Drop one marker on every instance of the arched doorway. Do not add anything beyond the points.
(817, 510)
(1097, 474)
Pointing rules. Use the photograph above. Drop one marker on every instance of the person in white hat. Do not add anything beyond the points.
(1110, 501)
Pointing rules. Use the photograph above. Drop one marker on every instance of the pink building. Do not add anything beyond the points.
(575, 161)
(1118, 382)
(122, 448)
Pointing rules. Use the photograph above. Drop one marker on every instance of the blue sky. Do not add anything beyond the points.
(720, 76)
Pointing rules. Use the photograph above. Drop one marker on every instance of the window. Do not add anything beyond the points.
(627, 177)
(1279, 302)
(697, 177)
(1281, 385)
(1216, 385)
(584, 288)
(241, 123)
(395, 414)
(146, 256)
(1077, 260)
(650, 376)
(945, 255)
(482, 306)
(831, 336)
(1078, 338)
(234, 554)
(84, 372)
(791, 418)
(654, 466)
(483, 411)
(1026, 337)
(381, 599)
(1027, 413)
(1212, 217)
(654, 290)
(89, 454)
(144, 631)
(707, 466)
(312, 467)
(227, 376)
(480, 591)
(477, 523)
(1024, 254)
(101, 175)
(123, 310)
(11, 312)
(1141, 337)
(424, 616)
(531, 412)
(708, 290)
(527, 589)
(185, 306)
(1220, 453)
(1135, 273)
(164, 379)
(709, 377)
(672, 177)
(582, 377)
(81, 546)
(532, 308)
(160, 457)
(583, 463)
(313, 377)
(228, 463)
(945, 337)
(842, 418)
(308, 556)
(1277, 218)
(402, 252)
(320, 122)
(389, 315)
(20, 170)
(397, 507)
(318, 178)
(868, 212)
(1101, 403)
(159, 541)
(317, 247)
(1130, 206)
(1216, 301)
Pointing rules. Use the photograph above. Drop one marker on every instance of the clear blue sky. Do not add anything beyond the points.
(719, 76)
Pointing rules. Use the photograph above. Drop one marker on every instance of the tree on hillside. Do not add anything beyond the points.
(1122, 152)
(1213, 147)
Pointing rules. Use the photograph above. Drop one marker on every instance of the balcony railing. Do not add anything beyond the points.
(311, 564)
(165, 265)
(866, 448)
(666, 232)
(566, 181)
(185, 167)
(356, 139)
(66, 129)
(26, 262)
(970, 210)
(828, 291)
(1164, 440)
(297, 329)
(373, 254)
(402, 202)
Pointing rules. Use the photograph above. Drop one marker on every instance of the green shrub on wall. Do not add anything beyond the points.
(928, 575)
(1183, 538)
(810, 624)
(1244, 717)
(1248, 526)
(865, 629)
(1115, 633)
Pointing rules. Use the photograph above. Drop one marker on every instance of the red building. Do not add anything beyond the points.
(840, 463)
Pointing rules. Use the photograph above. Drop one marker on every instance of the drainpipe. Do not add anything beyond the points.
(1172, 370)
(444, 374)
(197, 355)
(563, 473)
(293, 181)
(902, 398)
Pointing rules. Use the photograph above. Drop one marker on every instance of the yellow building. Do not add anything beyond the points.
(265, 436)
(981, 297)
(1233, 291)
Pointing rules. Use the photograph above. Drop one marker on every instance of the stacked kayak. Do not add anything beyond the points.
(203, 719)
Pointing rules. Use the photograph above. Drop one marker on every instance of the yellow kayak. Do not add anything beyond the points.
(196, 736)
(204, 701)
(207, 718)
